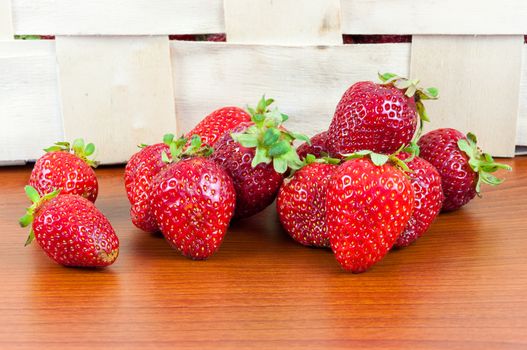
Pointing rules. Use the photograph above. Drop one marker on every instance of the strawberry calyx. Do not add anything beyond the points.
(481, 163)
(37, 201)
(167, 140)
(380, 159)
(179, 149)
(411, 88)
(79, 148)
(310, 159)
(272, 142)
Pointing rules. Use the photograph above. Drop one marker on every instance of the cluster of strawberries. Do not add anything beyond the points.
(369, 183)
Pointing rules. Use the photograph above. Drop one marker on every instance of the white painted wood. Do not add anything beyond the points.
(521, 132)
(118, 17)
(283, 22)
(434, 17)
(478, 80)
(30, 117)
(307, 82)
(116, 92)
(135, 17)
(6, 22)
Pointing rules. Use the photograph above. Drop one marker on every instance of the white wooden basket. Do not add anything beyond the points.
(113, 77)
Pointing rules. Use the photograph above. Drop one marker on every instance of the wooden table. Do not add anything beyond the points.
(463, 285)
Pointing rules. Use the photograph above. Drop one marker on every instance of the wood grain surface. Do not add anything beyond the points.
(462, 286)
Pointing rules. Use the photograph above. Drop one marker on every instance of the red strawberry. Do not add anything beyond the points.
(219, 122)
(256, 156)
(70, 172)
(461, 164)
(317, 147)
(144, 166)
(428, 198)
(70, 229)
(193, 203)
(377, 117)
(301, 203)
(139, 174)
(367, 208)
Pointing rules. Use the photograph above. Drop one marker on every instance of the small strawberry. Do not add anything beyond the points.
(69, 172)
(317, 147)
(461, 164)
(301, 202)
(256, 155)
(218, 123)
(139, 174)
(193, 203)
(368, 204)
(378, 117)
(70, 229)
(428, 198)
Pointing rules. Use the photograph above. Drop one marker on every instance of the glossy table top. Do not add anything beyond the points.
(463, 285)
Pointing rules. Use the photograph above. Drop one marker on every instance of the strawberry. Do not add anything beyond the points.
(368, 204)
(193, 203)
(317, 147)
(219, 122)
(301, 202)
(144, 166)
(256, 155)
(428, 198)
(377, 117)
(70, 229)
(461, 164)
(139, 174)
(70, 172)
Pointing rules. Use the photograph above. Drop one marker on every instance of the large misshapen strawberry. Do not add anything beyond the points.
(462, 165)
(256, 155)
(378, 117)
(139, 175)
(66, 167)
(144, 166)
(428, 198)
(70, 229)
(193, 203)
(215, 125)
(301, 202)
(368, 204)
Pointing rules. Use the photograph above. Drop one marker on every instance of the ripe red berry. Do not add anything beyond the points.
(317, 147)
(377, 117)
(367, 208)
(428, 198)
(301, 204)
(71, 230)
(256, 155)
(69, 172)
(193, 203)
(139, 174)
(218, 123)
(145, 165)
(461, 164)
